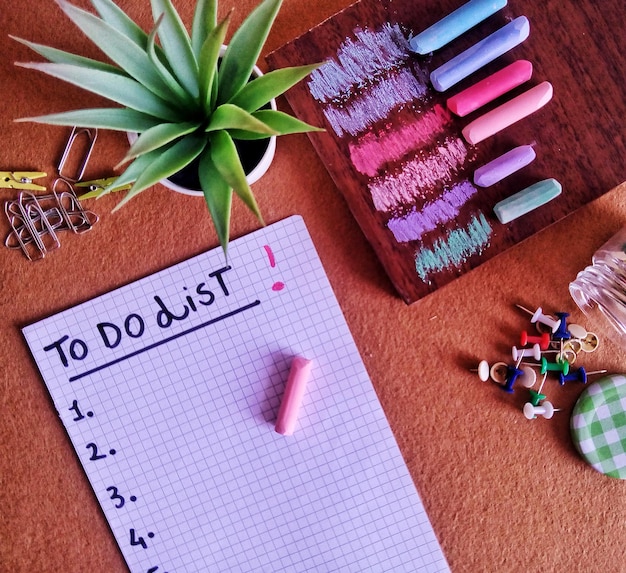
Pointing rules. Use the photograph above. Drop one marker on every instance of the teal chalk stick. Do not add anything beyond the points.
(527, 200)
(454, 24)
(480, 54)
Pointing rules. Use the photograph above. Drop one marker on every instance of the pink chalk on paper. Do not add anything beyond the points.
(492, 87)
(299, 374)
(277, 286)
(508, 113)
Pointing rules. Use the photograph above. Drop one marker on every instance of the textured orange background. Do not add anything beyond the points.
(503, 493)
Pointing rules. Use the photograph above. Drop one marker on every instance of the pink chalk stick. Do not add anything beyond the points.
(490, 88)
(508, 113)
(292, 399)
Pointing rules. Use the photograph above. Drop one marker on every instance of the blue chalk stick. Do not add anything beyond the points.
(455, 24)
(480, 54)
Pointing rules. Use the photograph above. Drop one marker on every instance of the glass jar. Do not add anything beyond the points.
(601, 287)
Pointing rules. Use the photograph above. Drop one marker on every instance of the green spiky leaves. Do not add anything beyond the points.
(185, 96)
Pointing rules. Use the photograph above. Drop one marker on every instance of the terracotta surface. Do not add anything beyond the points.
(503, 493)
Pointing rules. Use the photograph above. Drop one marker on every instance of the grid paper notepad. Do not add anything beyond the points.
(169, 388)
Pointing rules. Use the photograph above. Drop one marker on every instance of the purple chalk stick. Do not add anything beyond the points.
(503, 166)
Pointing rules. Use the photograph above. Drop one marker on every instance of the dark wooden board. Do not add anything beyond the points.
(400, 161)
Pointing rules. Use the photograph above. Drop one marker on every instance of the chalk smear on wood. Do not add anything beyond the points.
(418, 176)
(453, 250)
(398, 89)
(358, 62)
(440, 211)
(374, 150)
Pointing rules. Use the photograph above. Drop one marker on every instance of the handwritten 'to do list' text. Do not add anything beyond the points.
(71, 349)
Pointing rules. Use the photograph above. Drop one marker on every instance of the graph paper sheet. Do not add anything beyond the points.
(169, 389)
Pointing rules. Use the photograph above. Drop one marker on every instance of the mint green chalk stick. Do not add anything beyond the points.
(527, 200)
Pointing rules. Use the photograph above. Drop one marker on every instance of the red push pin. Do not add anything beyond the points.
(543, 341)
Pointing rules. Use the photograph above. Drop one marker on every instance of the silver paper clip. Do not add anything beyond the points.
(32, 228)
(75, 136)
(76, 218)
(36, 220)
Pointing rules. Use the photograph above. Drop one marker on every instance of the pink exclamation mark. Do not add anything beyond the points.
(277, 285)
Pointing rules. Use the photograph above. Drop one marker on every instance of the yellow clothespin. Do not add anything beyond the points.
(21, 180)
(96, 186)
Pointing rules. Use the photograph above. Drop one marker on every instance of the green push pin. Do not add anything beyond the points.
(536, 397)
(554, 366)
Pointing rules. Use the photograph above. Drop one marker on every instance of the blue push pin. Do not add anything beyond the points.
(562, 333)
(579, 375)
(512, 374)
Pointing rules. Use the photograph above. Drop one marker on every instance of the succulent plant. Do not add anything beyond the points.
(186, 100)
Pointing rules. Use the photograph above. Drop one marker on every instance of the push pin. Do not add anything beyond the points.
(577, 331)
(590, 343)
(565, 354)
(574, 345)
(562, 333)
(579, 375)
(545, 409)
(512, 375)
(554, 366)
(543, 341)
(519, 354)
(536, 397)
(539, 316)
(483, 370)
(528, 377)
(498, 372)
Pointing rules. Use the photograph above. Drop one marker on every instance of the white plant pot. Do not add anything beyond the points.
(257, 172)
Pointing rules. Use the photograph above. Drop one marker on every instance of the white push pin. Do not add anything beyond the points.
(590, 343)
(545, 409)
(519, 353)
(577, 331)
(539, 316)
(528, 377)
(498, 372)
(566, 354)
(483, 370)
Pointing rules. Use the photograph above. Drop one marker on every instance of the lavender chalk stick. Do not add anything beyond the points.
(455, 24)
(480, 54)
(503, 166)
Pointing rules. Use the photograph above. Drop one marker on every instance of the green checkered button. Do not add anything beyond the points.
(598, 425)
